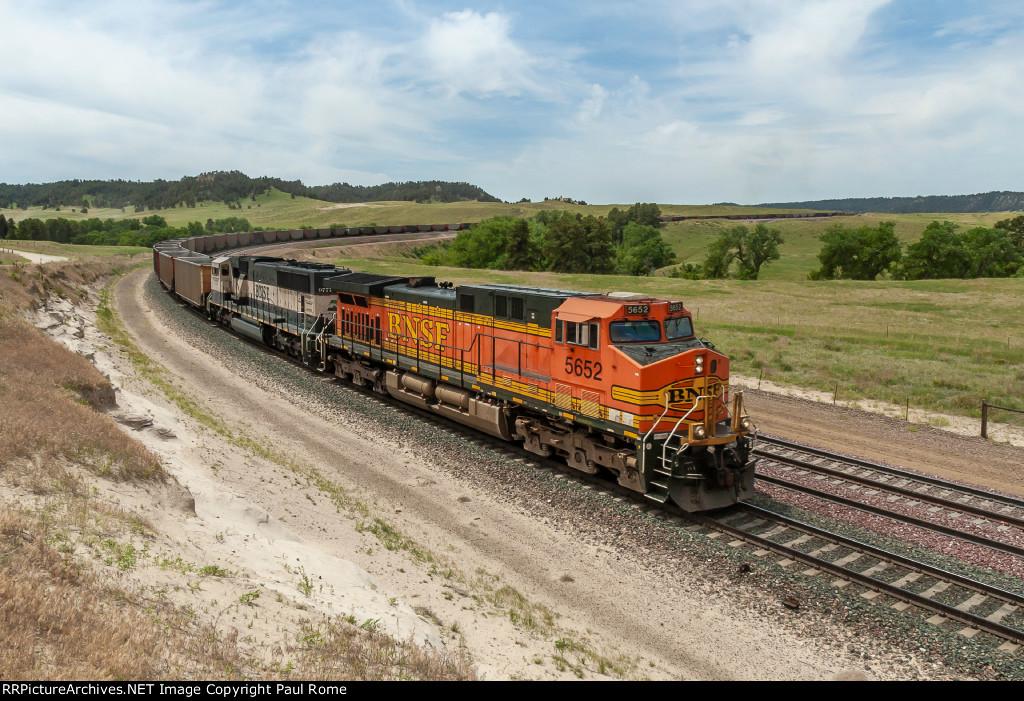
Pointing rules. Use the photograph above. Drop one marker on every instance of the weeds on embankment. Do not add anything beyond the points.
(66, 616)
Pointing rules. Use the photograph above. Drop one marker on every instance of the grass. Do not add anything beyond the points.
(944, 344)
(66, 619)
(49, 396)
(6, 258)
(278, 210)
(74, 252)
(690, 239)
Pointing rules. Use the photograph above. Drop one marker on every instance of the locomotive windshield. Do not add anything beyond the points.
(678, 328)
(634, 332)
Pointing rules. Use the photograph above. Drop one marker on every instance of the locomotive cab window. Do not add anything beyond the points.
(678, 328)
(634, 332)
(576, 334)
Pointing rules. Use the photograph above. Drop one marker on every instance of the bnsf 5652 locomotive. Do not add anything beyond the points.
(615, 383)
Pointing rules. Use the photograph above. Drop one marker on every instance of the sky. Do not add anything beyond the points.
(682, 102)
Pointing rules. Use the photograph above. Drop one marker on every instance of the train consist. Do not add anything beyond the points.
(614, 383)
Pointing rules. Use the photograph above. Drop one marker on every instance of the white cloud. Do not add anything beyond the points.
(808, 38)
(474, 53)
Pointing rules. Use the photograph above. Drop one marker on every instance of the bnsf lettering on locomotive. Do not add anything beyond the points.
(638, 309)
(261, 292)
(688, 395)
(411, 328)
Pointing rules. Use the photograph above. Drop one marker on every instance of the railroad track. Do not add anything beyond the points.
(887, 577)
(971, 514)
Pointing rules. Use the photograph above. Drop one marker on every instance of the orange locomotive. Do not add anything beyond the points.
(616, 383)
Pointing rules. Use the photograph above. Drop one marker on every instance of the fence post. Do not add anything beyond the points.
(984, 419)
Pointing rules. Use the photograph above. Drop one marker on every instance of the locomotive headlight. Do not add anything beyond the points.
(698, 365)
(745, 424)
(699, 432)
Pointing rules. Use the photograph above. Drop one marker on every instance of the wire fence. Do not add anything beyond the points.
(985, 406)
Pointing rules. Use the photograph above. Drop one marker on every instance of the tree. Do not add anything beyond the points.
(3, 227)
(752, 250)
(520, 252)
(857, 254)
(642, 251)
(939, 253)
(993, 252)
(1015, 228)
(577, 244)
(719, 257)
(762, 248)
(643, 213)
(481, 246)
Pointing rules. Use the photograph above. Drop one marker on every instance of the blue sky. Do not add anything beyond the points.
(676, 102)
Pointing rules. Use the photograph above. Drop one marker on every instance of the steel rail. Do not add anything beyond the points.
(896, 516)
(946, 610)
(888, 469)
(894, 489)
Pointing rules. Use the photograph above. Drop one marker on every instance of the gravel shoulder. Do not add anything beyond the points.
(966, 459)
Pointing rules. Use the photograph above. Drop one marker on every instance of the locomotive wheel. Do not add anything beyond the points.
(577, 460)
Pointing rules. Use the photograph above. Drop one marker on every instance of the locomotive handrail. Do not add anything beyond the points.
(654, 425)
(664, 446)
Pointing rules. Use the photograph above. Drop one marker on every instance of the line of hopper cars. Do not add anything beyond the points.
(614, 383)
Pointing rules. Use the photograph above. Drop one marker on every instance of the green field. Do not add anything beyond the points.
(943, 344)
(76, 252)
(277, 210)
(690, 239)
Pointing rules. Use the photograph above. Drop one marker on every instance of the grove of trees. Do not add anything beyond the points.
(113, 232)
(863, 253)
(229, 187)
(943, 251)
(561, 242)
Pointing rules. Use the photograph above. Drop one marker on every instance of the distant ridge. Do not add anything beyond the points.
(986, 202)
(228, 187)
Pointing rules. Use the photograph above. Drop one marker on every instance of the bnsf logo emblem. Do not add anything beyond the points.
(682, 395)
(426, 332)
